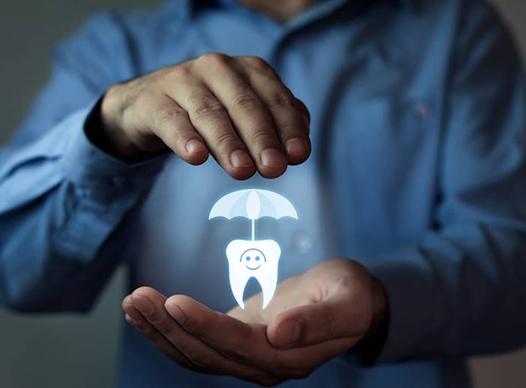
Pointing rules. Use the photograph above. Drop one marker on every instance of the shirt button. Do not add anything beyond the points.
(422, 109)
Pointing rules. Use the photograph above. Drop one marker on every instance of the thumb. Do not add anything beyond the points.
(319, 322)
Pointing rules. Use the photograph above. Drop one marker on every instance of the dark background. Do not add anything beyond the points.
(81, 351)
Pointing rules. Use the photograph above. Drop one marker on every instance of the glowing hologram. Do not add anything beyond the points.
(253, 210)
(253, 258)
(257, 259)
(269, 204)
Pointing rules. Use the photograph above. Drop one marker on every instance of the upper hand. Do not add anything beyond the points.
(312, 318)
(235, 108)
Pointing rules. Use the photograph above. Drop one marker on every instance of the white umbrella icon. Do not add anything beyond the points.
(253, 204)
(253, 258)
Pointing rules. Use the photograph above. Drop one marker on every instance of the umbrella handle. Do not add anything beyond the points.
(253, 229)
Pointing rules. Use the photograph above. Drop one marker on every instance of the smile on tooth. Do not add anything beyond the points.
(241, 255)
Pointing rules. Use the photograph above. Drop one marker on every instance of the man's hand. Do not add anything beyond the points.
(313, 318)
(235, 108)
(334, 299)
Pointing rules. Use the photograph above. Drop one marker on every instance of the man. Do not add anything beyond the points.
(409, 254)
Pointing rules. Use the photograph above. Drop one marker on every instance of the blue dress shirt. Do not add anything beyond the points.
(418, 171)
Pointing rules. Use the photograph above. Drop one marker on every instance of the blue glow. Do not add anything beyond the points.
(244, 256)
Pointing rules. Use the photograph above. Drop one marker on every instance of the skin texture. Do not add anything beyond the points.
(313, 317)
(235, 108)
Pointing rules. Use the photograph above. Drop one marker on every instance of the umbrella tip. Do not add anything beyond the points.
(253, 206)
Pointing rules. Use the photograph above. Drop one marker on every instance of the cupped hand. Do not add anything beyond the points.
(313, 318)
(235, 108)
(334, 299)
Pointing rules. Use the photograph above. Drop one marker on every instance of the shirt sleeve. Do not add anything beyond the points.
(461, 291)
(61, 198)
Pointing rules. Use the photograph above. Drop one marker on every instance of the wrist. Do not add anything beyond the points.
(103, 129)
(370, 346)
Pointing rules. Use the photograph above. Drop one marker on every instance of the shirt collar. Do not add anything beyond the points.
(188, 8)
(411, 3)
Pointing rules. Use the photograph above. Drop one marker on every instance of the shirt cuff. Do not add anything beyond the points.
(408, 281)
(87, 165)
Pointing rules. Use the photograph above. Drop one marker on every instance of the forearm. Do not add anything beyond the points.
(62, 199)
(456, 294)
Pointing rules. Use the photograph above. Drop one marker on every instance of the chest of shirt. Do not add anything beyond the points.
(369, 186)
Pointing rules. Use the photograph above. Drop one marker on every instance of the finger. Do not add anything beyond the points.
(248, 343)
(151, 304)
(248, 113)
(219, 330)
(135, 318)
(171, 123)
(162, 122)
(211, 120)
(314, 324)
(290, 115)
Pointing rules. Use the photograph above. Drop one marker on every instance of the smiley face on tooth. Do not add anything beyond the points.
(253, 259)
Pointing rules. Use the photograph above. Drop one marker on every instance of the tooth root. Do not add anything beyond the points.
(238, 278)
(268, 286)
(238, 283)
(268, 277)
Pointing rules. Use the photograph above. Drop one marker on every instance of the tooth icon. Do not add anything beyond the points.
(253, 259)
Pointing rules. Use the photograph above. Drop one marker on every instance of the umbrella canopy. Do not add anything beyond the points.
(253, 204)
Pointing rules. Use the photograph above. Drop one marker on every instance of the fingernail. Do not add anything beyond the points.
(272, 158)
(194, 146)
(143, 305)
(297, 147)
(177, 313)
(240, 158)
(290, 332)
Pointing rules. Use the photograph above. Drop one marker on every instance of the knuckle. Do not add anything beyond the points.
(226, 140)
(214, 59)
(245, 102)
(263, 137)
(159, 73)
(179, 71)
(281, 100)
(118, 96)
(169, 114)
(257, 62)
(142, 108)
(205, 105)
(144, 100)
